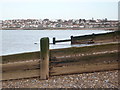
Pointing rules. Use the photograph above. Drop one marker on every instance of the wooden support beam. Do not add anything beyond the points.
(54, 40)
(44, 65)
(71, 39)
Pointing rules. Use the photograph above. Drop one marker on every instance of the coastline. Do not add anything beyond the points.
(112, 28)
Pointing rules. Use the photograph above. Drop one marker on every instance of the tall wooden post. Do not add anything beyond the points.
(44, 64)
(54, 40)
(71, 39)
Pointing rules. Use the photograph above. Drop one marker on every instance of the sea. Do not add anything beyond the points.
(22, 41)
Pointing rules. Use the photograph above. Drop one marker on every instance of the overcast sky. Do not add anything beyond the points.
(58, 9)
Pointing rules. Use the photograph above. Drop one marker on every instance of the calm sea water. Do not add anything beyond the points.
(20, 41)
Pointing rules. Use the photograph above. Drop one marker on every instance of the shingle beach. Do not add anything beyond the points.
(106, 79)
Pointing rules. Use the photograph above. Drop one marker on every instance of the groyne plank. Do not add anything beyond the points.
(20, 74)
(21, 66)
(92, 58)
(82, 50)
(92, 63)
(63, 40)
(72, 69)
(20, 57)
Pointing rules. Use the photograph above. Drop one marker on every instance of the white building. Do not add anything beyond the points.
(0, 24)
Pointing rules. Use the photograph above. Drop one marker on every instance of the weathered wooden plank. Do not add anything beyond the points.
(20, 74)
(83, 50)
(20, 57)
(98, 58)
(63, 40)
(21, 66)
(71, 69)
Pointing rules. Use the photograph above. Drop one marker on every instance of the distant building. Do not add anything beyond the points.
(58, 23)
(40, 27)
(0, 24)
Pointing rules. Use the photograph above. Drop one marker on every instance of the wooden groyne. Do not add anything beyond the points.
(60, 61)
(83, 64)
(58, 41)
(93, 38)
(46, 63)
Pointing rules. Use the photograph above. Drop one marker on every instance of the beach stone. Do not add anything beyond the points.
(107, 79)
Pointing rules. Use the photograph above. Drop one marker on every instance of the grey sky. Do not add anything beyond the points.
(55, 9)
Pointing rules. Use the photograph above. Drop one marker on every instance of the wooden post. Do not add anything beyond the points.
(54, 40)
(44, 65)
(93, 36)
(71, 39)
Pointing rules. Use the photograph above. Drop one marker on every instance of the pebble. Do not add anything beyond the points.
(106, 79)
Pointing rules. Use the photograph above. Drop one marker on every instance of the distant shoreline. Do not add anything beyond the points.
(114, 28)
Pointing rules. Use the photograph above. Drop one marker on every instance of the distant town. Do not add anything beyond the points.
(39, 24)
